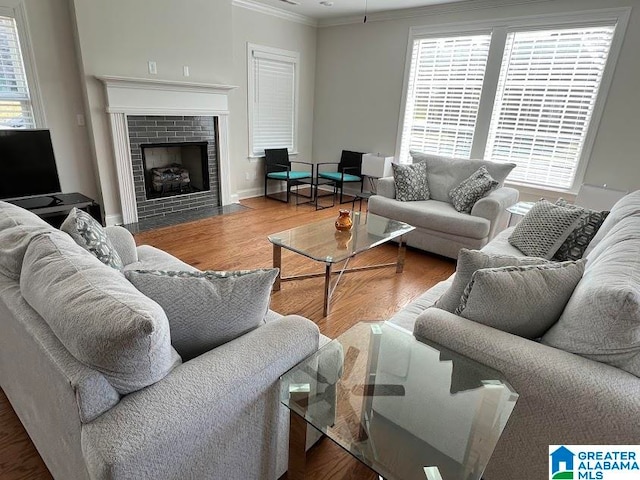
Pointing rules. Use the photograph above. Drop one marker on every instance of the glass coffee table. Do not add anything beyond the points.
(405, 409)
(320, 241)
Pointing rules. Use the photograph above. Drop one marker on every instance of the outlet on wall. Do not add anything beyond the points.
(185, 70)
(153, 67)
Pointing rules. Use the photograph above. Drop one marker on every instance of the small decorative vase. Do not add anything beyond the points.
(344, 222)
(343, 238)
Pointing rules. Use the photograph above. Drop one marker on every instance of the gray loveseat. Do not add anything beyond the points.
(565, 398)
(439, 227)
(215, 416)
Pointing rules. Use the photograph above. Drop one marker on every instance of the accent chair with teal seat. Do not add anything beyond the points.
(349, 170)
(278, 168)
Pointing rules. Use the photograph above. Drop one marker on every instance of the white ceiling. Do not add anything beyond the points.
(346, 8)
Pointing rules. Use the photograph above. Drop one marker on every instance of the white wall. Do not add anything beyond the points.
(59, 83)
(359, 80)
(270, 31)
(119, 37)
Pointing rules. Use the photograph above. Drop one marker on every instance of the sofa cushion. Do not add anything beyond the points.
(478, 185)
(90, 235)
(434, 215)
(443, 173)
(500, 245)
(602, 319)
(97, 314)
(575, 245)
(207, 309)
(411, 182)
(524, 300)
(17, 227)
(468, 262)
(544, 229)
(627, 206)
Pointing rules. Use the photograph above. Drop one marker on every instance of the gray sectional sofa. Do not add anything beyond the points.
(439, 227)
(215, 416)
(583, 393)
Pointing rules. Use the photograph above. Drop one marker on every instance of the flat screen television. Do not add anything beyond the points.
(27, 164)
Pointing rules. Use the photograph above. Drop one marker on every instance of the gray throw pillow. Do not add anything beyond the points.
(96, 314)
(468, 262)
(478, 185)
(89, 234)
(576, 244)
(411, 182)
(544, 229)
(525, 300)
(207, 309)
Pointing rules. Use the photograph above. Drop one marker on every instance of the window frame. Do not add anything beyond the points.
(290, 56)
(499, 29)
(17, 11)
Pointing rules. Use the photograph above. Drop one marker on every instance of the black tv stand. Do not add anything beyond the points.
(54, 208)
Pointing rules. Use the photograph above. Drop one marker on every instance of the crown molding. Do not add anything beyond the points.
(275, 12)
(430, 10)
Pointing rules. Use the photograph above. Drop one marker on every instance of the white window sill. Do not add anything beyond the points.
(255, 157)
(542, 192)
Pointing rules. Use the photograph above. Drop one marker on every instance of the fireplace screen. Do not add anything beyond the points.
(175, 168)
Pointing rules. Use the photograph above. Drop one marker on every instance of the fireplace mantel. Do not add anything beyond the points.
(141, 96)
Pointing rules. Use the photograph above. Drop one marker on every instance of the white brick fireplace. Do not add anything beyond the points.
(129, 97)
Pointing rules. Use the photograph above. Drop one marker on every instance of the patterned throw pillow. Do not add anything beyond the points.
(411, 182)
(524, 300)
(578, 240)
(90, 235)
(544, 229)
(207, 309)
(478, 185)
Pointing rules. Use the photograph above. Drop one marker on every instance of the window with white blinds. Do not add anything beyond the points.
(443, 94)
(546, 94)
(272, 99)
(16, 110)
(526, 90)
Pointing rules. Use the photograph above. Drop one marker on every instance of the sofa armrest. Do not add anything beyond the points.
(124, 243)
(215, 416)
(386, 187)
(493, 207)
(564, 398)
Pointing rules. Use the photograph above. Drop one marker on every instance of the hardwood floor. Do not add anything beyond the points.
(238, 241)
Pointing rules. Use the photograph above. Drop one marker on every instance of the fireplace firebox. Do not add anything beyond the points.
(175, 168)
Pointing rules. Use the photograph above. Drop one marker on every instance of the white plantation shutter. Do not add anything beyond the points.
(547, 90)
(274, 102)
(15, 104)
(443, 95)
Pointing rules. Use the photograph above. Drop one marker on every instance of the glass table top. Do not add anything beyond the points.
(406, 409)
(322, 242)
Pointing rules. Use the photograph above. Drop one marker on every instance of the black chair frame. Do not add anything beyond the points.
(350, 163)
(277, 160)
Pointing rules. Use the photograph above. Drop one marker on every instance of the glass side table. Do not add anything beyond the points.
(407, 410)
